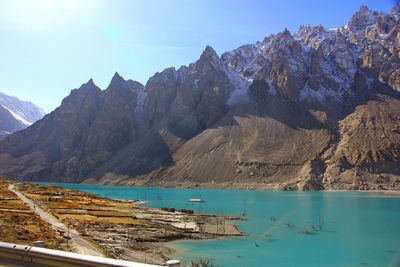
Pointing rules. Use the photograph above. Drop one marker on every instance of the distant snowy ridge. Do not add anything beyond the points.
(18, 117)
(24, 111)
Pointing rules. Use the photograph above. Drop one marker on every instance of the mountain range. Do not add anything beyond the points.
(16, 115)
(317, 109)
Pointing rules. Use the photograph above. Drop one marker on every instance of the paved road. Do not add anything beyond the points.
(78, 244)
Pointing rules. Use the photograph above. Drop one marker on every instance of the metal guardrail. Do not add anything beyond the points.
(50, 257)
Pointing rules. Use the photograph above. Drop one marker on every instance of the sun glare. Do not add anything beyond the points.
(54, 4)
(31, 14)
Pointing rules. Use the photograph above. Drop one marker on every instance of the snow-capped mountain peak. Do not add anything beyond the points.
(16, 115)
(24, 111)
(319, 63)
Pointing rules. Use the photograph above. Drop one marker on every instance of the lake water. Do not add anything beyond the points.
(358, 229)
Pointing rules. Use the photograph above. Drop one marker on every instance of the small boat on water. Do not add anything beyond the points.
(196, 200)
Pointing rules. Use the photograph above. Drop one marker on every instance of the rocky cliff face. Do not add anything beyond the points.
(317, 109)
(16, 114)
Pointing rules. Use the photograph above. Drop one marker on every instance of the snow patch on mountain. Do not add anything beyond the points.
(24, 111)
(240, 84)
(141, 96)
(322, 95)
(18, 117)
(140, 91)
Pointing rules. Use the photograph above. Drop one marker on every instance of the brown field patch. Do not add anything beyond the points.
(78, 217)
(118, 220)
(110, 213)
(3, 198)
(70, 211)
(122, 220)
(14, 207)
(17, 210)
(63, 205)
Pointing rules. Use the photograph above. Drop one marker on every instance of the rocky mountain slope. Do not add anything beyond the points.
(16, 114)
(317, 109)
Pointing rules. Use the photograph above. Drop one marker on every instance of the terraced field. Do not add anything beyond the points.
(115, 228)
(19, 225)
(68, 205)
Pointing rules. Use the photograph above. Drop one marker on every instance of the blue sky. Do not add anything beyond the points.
(49, 47)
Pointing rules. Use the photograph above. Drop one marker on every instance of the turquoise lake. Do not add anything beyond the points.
(359, 229)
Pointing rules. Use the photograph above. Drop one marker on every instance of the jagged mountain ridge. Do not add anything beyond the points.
(314, 110)
(16, 114)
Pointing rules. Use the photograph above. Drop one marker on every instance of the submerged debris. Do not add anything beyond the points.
(306, 230)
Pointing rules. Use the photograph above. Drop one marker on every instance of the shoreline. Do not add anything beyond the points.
(228, 187)
(124, 229)
(178, 249)
(374, 193)
(133, 201)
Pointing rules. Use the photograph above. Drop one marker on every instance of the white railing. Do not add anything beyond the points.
(51, 257)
